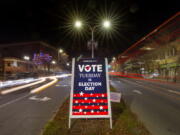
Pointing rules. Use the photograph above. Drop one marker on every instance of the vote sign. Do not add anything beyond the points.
(90, 89)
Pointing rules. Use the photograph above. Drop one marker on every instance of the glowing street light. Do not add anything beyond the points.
(68, 64)
(106, 24)
(114, 58)
(61, 50)
(78, 24)
(53, 62)
(26, 58)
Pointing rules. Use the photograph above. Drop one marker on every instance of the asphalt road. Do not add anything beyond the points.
(22, 113)
(157, 105)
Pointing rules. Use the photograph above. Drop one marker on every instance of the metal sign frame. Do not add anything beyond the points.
(108, 97)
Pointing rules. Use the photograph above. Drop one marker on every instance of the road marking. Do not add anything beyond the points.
(21, 87)
(65, 85)
(155, 85)
(45, 86)
(175, 92)
(13, 101)
(138, 92)
(171, 91)
(44, 99)
(156, 91)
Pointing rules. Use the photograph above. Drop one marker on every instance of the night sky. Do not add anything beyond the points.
(47, 20)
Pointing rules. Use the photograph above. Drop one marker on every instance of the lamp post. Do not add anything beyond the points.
(53, 65)
(92, 42)
(106, 24)
(27, 58)
(60, 51)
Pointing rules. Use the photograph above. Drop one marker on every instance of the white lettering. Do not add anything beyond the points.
(94, 68)
(81, 68)
(89, 68)
(99, 68)
(89, 84)
(89, 88)
(89, 75)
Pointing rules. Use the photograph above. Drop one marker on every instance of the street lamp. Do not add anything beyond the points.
(26, 58)
(68, 64)
(113, 59)
(53, 62)
(61, 50)
(106, 24)
(78, 24)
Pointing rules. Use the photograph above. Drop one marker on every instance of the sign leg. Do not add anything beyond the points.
(110, 120)
(69, 123)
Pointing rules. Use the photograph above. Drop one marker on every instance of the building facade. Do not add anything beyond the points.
(156, 55)
(40, 56)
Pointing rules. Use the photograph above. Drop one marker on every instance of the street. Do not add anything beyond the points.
(23, 113)
(157, 105)
(112, 59)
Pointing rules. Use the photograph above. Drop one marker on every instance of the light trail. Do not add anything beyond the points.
(22, 87)
(11, 83)
(40, 80)
(45, 86)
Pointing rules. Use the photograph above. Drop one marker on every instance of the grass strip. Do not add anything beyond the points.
(124, 123)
